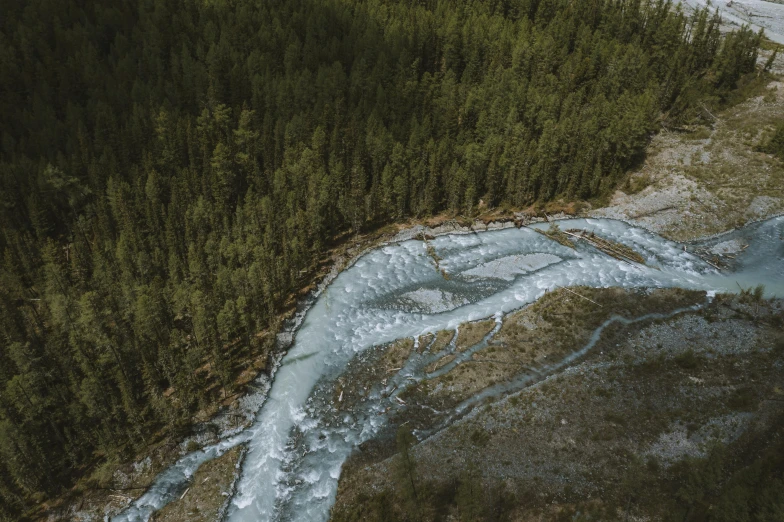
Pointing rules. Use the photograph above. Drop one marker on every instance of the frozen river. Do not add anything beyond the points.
(759, 14)
(298, 442)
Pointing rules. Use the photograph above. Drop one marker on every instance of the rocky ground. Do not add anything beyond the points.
(483, 360)
(209, 494)
(649, 400)
(706, 179)
(534, 339)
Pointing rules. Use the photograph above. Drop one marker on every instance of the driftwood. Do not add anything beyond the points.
(557, 235)
(703, 254)
(608, 247)
(578, 295)
(185, 493)
(717, 267)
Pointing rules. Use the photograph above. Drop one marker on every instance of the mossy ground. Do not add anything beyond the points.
(470, 334)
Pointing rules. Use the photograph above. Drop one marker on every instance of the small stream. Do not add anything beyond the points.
(300, 440)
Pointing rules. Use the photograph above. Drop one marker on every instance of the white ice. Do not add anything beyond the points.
(509, 267)
(341, 324)
(759, 14)
(296, 448)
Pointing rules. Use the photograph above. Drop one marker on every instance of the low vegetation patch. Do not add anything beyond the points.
(555, 233)
(638, 430)
(207, 494)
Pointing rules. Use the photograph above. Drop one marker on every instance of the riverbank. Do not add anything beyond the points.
(471, 334)
(708, 178)
(485, 359)
(700, 196)
(612, 436)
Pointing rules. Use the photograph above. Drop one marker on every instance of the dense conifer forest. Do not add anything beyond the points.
(170, 171)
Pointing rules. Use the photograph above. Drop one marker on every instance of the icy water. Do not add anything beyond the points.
(299, 440)
(759, 14)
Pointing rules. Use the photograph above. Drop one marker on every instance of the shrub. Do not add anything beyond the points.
(687, 360)
(480, 437)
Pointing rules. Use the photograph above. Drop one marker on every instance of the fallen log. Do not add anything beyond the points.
(578, 295)
(608, 247)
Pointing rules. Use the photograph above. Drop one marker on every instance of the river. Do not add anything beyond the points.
(299, 441)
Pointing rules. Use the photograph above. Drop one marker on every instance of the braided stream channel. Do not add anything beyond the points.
(306, 429)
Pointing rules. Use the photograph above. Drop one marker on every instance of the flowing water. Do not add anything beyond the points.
(758, 14)
(300, 440)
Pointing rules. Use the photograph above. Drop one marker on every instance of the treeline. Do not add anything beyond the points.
(171, 170)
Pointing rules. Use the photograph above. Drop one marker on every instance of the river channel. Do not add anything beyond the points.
(299, 440)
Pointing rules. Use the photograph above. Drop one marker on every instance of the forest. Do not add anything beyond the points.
(172, 170)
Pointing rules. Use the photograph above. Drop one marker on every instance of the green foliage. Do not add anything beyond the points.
(479, 437)
(469, 496)
(741, 399)
(752, 294)
(778, 346)
(775, 144)
(555, 233)
(170, 171)
(687, 360)
(719, 488)
(379, 507)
